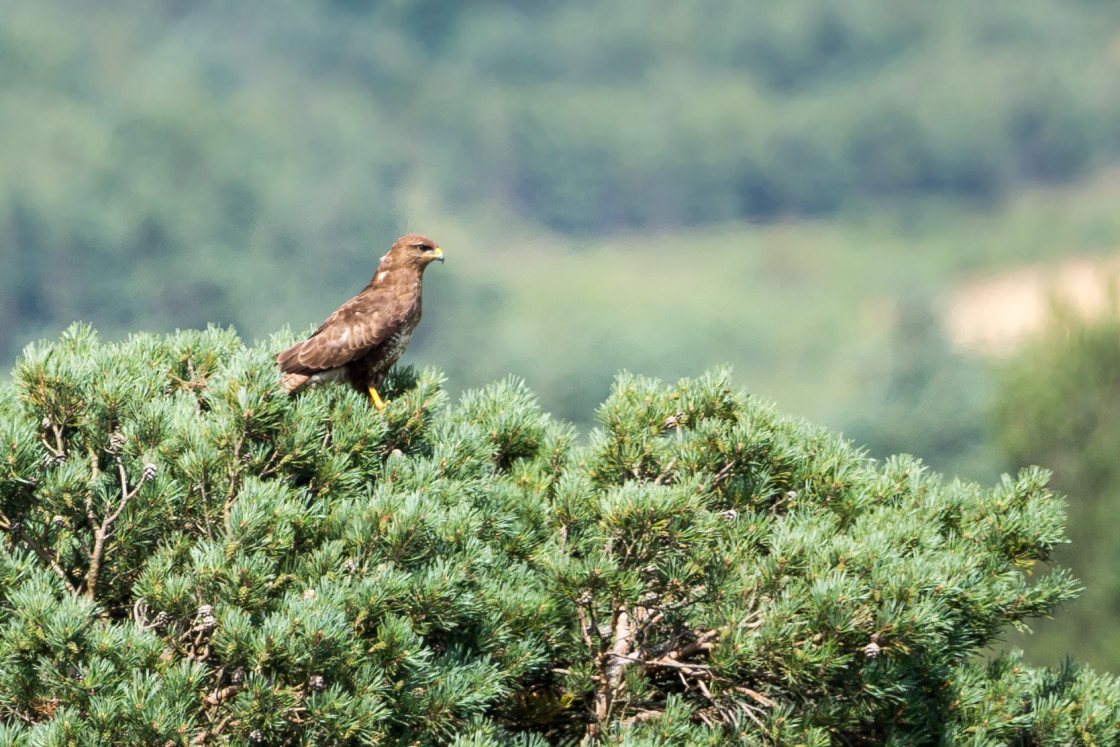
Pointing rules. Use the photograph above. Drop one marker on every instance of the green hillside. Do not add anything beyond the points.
(174, 164)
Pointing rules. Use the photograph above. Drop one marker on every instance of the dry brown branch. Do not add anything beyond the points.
(686, 667)
(223, 694)
(206, 735)
(642, 717)
(704, 642)
(757, 696)
(583, 629)
(723, 473)
(665, 472)
(232, 473)
(95, 475)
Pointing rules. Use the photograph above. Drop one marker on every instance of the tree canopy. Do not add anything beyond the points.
(192, 557)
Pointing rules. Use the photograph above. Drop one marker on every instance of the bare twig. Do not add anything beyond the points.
(231, 494)
(757, 696)
(205, 736)
(665, 472)
(723, 473)
(222, 695)
(584, 629)
(750, 714)
(703, 642)
(140, 613)
(667, 663)
(643, 716)
(59, 450)
(190, 369)
(95, 475)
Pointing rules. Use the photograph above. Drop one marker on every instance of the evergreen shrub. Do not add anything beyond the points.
(191, 557)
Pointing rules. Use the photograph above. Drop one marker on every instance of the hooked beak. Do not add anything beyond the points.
(439, 254)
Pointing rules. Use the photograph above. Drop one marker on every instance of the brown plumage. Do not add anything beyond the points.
(362, 340)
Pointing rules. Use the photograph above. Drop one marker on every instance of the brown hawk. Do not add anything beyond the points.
(361, 341)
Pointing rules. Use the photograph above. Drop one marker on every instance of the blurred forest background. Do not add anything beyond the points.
(839, 198)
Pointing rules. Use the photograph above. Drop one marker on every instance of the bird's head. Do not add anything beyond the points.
(414, 250)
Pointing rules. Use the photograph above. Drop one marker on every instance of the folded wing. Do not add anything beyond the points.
(358, 326)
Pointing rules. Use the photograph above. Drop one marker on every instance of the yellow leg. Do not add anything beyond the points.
(375, 399)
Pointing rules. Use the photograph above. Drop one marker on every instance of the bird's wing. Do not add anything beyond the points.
(361, 323)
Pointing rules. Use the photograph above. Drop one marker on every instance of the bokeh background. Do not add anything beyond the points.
(897, 217)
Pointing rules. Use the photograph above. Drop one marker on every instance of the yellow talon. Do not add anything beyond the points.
(375, 399)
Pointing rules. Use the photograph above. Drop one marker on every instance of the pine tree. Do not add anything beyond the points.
(192, 557)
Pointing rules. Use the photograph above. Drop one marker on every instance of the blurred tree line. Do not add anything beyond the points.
(164, 161)
(1058, 404)
(926, 399)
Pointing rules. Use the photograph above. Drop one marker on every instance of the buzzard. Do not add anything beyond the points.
(361, 341)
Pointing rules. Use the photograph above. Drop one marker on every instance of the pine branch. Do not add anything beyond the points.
(102, 533)
(16, 528)
(612, 665)
(58, 450)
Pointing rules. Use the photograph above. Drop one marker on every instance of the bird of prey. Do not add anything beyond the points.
(361, 341)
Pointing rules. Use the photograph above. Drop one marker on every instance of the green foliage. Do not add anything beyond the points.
(1058, 404)
(192, 557)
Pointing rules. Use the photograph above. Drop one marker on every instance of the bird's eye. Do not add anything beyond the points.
(424, 247)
